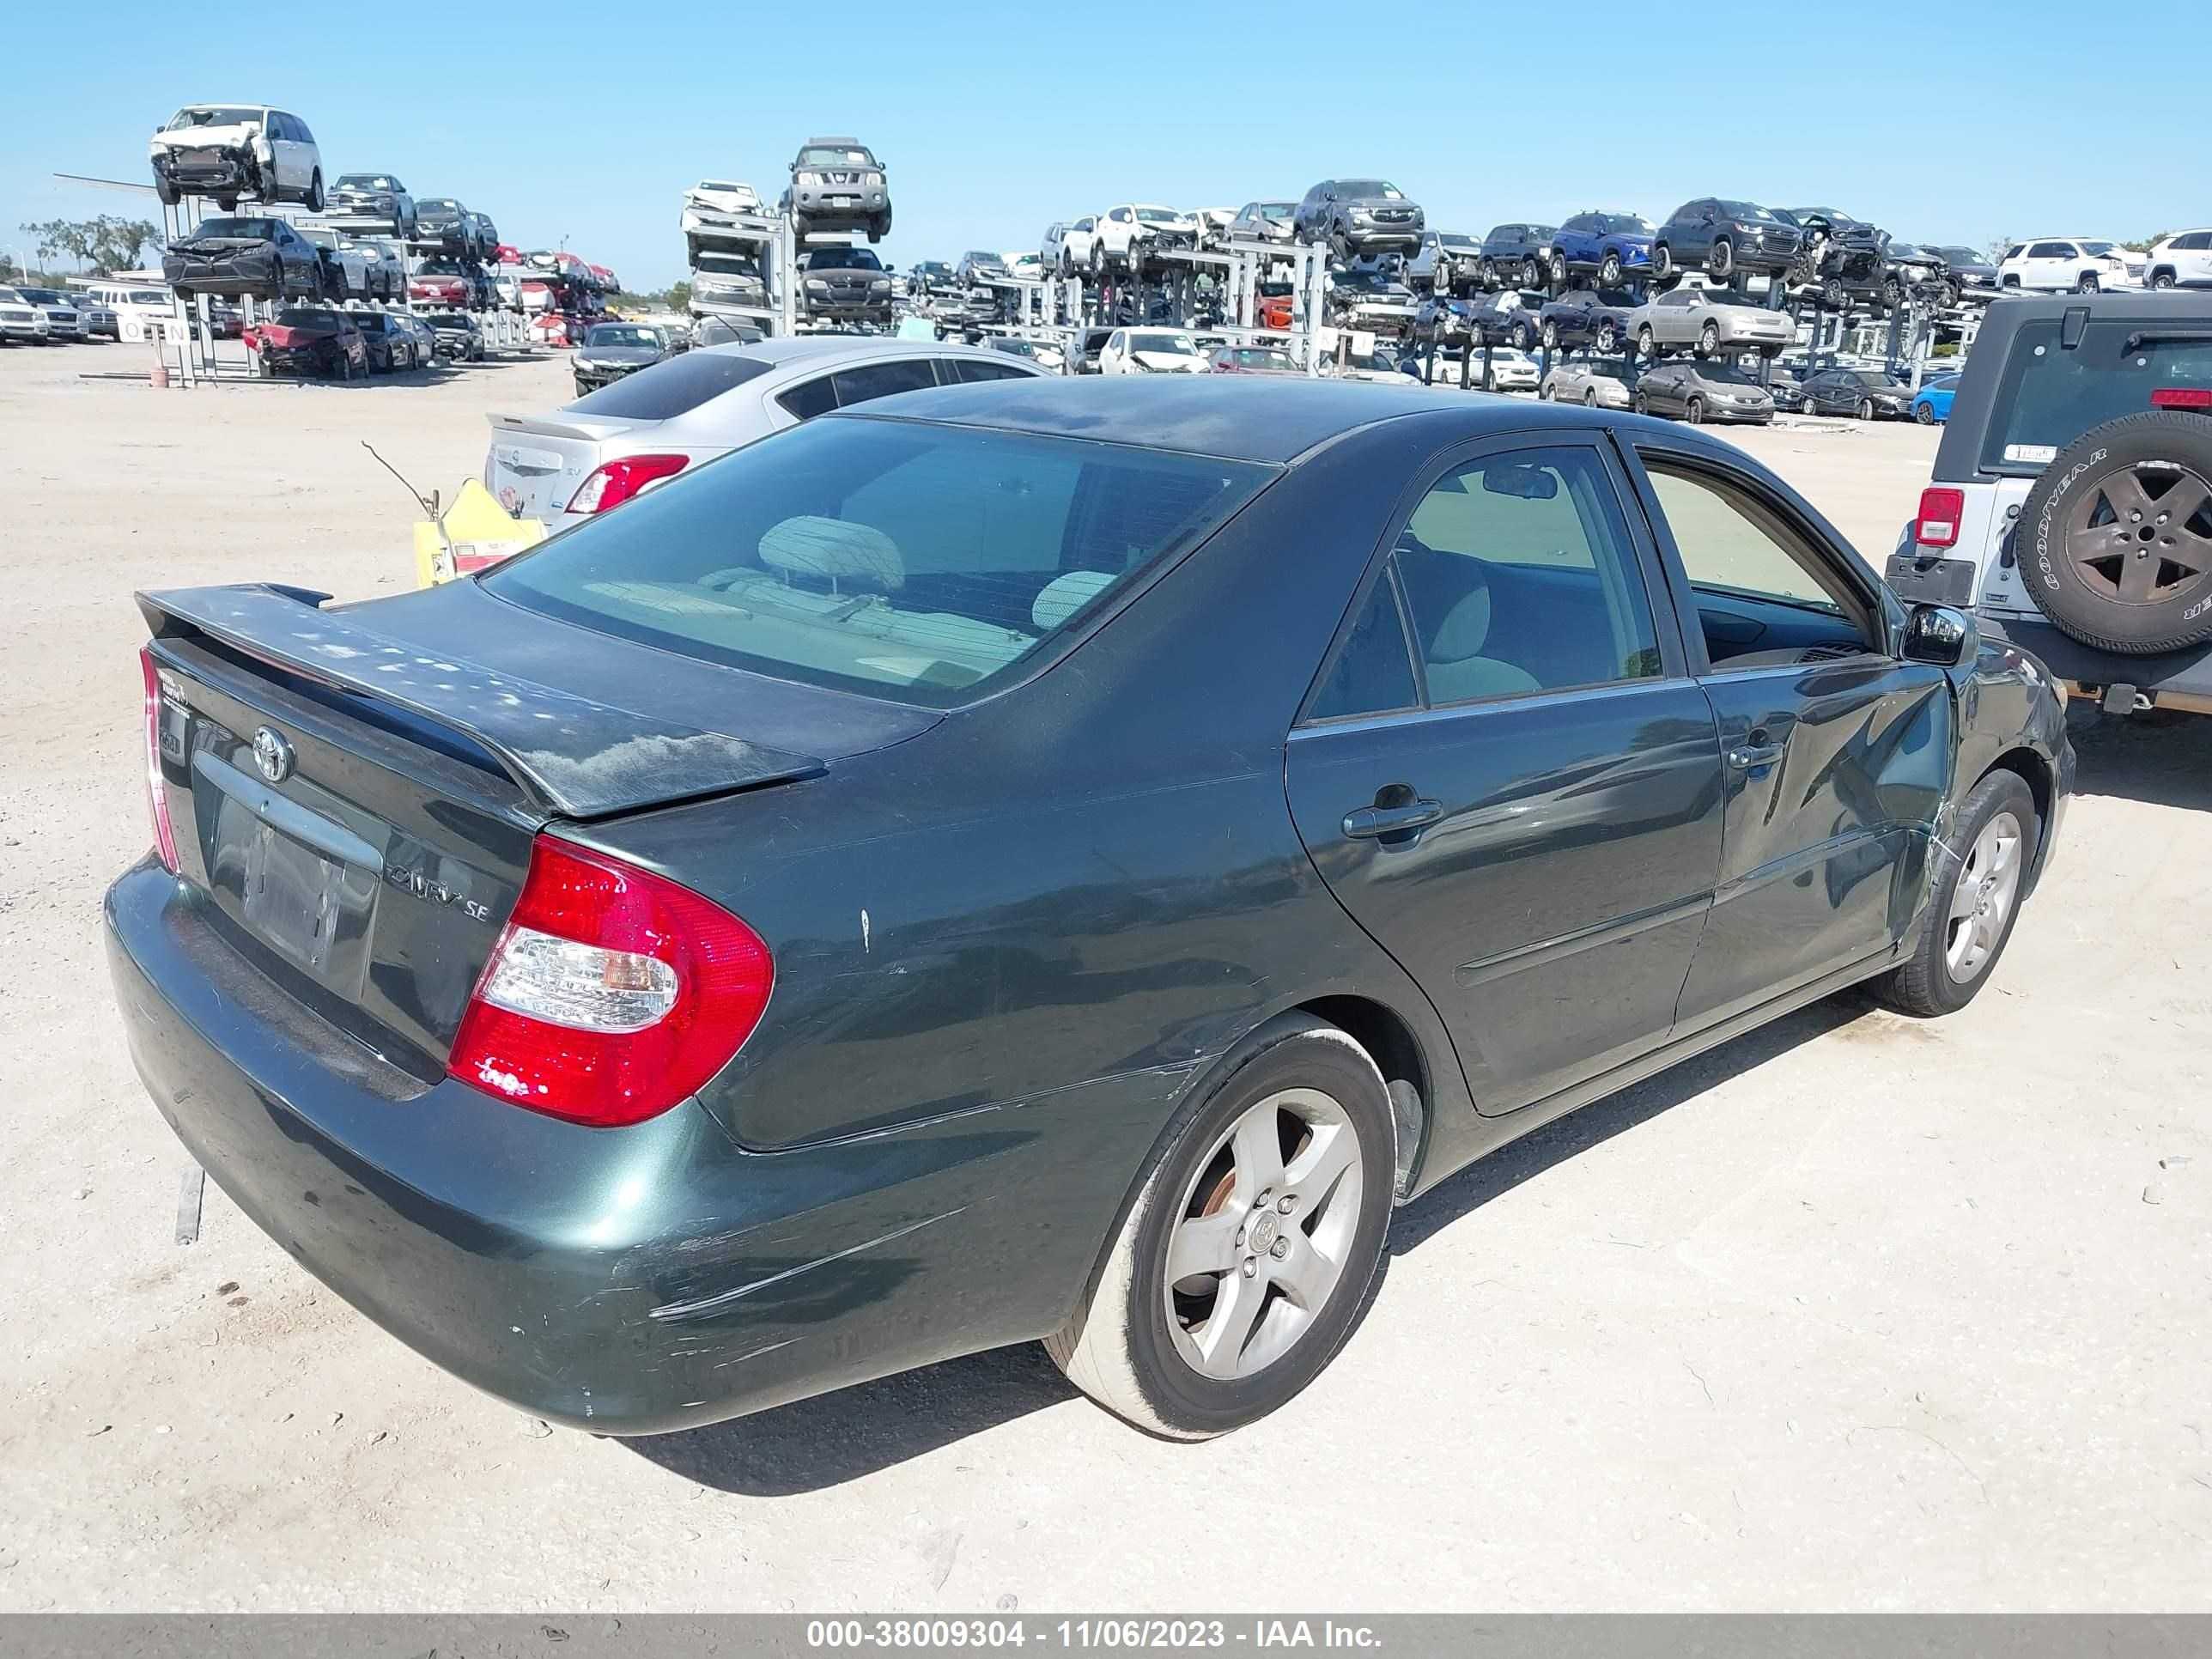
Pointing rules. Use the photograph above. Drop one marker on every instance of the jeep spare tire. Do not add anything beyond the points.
(2116, 538)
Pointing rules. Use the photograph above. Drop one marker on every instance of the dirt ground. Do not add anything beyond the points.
(1854, 1313)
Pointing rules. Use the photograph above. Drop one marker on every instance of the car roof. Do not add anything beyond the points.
(1271, 422)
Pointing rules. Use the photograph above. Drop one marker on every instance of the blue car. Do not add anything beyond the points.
(1931, 404)
(1616, 246)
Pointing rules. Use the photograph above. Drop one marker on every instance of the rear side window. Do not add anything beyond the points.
(965, 368)
(1373, 671)
(872, 380)
(809, 398)
(2050, 397)
(917, 561)
(672, 388)
(1519, 576)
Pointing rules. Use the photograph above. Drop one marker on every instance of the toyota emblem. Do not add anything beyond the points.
(272, 755)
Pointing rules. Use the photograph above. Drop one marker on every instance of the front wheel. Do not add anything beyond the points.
(1643, 404)
(2162, 280)
(1697, 411)
(1608, 272)
(1720, 262)
(2087, 284)
(1550, 336)
(1532, 272)
(1924, 413)
(1257, 1229)
(1662, 262)
(1976, 902)
(1866, 408)
(1488, 276)
(1646, 344)
(1709, 339)
(1558, 268)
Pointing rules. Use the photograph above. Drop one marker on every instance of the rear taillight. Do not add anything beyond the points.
(1938, 524)
(157, 794)
(612, 994)
(2181, 397)
(612, 484)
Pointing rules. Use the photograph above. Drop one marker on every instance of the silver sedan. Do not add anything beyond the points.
(1593, 385)
(1709, 320)
(599, 450)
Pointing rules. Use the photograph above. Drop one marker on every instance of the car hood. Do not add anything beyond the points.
(1170, 362)
(237, 136)
(213, 244)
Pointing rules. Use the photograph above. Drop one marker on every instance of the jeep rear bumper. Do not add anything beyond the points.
(2173, 679)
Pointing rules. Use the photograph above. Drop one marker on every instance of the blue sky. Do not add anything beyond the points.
(588, 121)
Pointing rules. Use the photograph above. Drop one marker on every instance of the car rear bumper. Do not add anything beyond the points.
(629, 1281)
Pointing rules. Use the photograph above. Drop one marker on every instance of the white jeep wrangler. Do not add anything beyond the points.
(2070, 506)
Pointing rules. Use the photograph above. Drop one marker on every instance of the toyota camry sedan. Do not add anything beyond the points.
(1053, 859)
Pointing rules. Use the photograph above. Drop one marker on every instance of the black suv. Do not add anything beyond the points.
(1516, 254)
(442, 219)
(1359, 216)
(1723, 237)
(837, 184)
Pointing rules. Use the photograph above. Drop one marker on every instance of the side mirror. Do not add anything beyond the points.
(1939, 635)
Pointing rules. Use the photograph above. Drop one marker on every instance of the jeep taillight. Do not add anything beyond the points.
(2181, 397)
(1940, 511)
(613, 994)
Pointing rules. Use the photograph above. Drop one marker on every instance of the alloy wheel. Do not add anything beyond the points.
(2144, 534)
(1987, 884)
(1266, 1229)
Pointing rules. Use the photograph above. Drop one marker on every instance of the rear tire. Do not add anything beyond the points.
(1971, 913)
(1696, 411)
(315, 191)
(1145, 1345)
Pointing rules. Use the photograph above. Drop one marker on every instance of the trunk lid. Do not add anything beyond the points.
(357, 800)
(538, 462)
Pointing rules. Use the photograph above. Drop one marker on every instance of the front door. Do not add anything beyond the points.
(1525, 809)
(1835, 754)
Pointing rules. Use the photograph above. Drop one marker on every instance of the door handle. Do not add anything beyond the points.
(1373, 823)
(1750, 757)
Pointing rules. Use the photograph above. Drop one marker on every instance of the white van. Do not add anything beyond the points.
(133, 304)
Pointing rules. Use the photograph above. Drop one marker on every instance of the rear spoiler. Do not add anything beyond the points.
(571, 757)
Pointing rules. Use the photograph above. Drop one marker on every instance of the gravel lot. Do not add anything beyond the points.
(1854, 1313)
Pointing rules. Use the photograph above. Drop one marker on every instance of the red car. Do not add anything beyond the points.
(1273, 310)
(439, 282)
(308, 339)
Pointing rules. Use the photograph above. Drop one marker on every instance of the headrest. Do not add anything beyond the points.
(836, 551)
(1064, 596)
(1466, 626)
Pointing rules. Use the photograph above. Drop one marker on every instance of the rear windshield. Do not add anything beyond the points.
(672, 388)
(2050, 397)
(300, 316)
(918, 562)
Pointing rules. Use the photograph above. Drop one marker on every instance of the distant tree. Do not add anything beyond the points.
(1996, 250)
(2148, 242)
(118, 243)
(679, 296)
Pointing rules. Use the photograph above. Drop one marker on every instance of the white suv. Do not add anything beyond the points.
(2070, 508)
(2069, 262)
(2182, 260)
(1140, 225)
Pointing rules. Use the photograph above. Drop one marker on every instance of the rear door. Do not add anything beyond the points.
(1506, 774)
(1835, 752)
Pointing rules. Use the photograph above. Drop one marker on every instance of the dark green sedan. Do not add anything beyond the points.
(1050, 859)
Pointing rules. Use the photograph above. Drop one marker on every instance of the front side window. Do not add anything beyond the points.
(1735, 546)
(923, 562)
(1519, 576)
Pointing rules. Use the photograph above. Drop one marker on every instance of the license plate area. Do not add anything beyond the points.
(302, 885)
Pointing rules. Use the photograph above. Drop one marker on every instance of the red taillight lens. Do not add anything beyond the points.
(612, 994)
(1938, 524)
(2181, 397)
(157, 796)
(614, 483)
